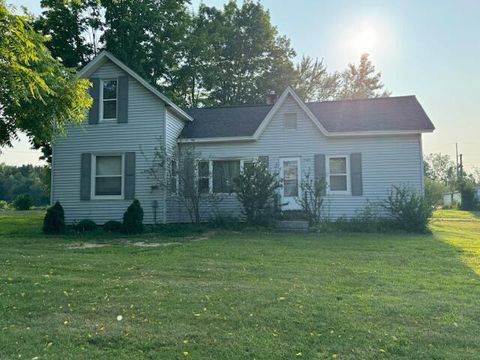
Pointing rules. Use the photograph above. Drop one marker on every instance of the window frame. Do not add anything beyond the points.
(101, 107)
(347, 174)
(94, 178)
(285, 120)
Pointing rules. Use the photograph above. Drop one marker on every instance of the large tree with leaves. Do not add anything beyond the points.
(361, 81)
(38, 95)
(72, 28)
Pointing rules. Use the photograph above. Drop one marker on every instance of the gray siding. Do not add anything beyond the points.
(144, 130)
(386, 160)
(173, 128)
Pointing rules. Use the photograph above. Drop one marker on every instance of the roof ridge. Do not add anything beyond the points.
(366, 99)
(227, 106)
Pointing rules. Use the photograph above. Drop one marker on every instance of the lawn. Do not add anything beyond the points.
(240, 295)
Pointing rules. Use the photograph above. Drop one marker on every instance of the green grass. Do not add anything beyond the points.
(240, 295)
(456, 214)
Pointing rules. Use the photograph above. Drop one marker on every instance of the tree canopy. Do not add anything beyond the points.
(38, 94)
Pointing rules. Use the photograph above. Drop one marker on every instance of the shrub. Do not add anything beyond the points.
(256, 188)
(3, 205)
(54, 220)
(469, 201)
(409, 211)
(22, 202)
(133, 218)
(312, 197)
(112, 226)
(86, 225)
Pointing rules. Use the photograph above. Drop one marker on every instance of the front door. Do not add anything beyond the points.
(290, 172)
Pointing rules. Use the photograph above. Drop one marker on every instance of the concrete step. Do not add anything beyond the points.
(292, 226)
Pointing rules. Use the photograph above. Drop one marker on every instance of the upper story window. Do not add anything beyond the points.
(338, 174)
(290, 121)
(109, 96)
(107, 176)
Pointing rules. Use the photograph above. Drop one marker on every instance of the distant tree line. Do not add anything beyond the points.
(26, 179)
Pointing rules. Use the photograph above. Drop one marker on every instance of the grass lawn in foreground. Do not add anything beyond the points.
(240, 295)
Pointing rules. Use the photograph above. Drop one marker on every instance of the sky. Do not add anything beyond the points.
(428, 48)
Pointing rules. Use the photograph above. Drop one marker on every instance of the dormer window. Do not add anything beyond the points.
(109, 96)
(290, 121)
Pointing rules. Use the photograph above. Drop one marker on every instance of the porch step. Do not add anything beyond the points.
(292, 225)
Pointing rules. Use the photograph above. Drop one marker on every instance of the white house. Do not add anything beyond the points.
(360, 147)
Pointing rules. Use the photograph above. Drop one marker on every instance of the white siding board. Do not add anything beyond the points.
(144, 131)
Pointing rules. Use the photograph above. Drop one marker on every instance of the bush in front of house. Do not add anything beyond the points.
(86, 225)
(312, 198)
(54, 220)
(409, 210)
(112, 226)
(133, 218)
(22, 202)
(256, 189)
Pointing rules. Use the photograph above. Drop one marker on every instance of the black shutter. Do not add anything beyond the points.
(85, 176)
(94, 112)
(356, 174)
(129, 183)
(320, 169)
(122, 105)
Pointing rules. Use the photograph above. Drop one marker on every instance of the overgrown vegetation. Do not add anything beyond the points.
(256, 188)
(133, 218)
(312, 198)
(112, 226)
(25, 179)
(54, 220)
(22, 202)
(409, 210)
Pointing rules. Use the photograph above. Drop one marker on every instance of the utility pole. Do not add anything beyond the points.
(456, 156)
(461, 166)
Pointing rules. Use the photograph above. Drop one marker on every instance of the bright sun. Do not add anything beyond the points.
(365, 40)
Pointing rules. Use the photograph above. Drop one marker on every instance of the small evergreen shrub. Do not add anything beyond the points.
(86, 225)
(54, 220)
(133, 218)
(408, 210)
(22, 202)
(112, 226)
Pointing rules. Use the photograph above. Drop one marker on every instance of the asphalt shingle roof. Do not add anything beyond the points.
(401, 113)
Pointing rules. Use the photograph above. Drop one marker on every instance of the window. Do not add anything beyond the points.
(203, 177)
(224, 174)
(290, 120)
(108, 176)
(290, 178)
(338, 174)
(109, 100)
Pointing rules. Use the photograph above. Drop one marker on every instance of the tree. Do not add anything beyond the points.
(361, 81)
(38, 95)
(441, 168)
(313, 82)
(250, 59)
(256, 190)
(66, 24)
(146, 35)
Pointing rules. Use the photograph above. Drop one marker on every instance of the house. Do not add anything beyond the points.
(361, 147)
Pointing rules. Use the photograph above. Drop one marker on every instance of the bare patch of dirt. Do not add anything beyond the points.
(144, 244)
(86, 246)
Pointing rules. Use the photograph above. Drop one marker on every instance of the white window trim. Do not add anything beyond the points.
(210, 170)
(347, 164)
(94, 176)
(100, 117)
(299, 162)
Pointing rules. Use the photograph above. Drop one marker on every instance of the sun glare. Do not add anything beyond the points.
(365, 41)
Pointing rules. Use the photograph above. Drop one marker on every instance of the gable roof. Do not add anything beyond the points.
(377, 116)
(104, 56)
